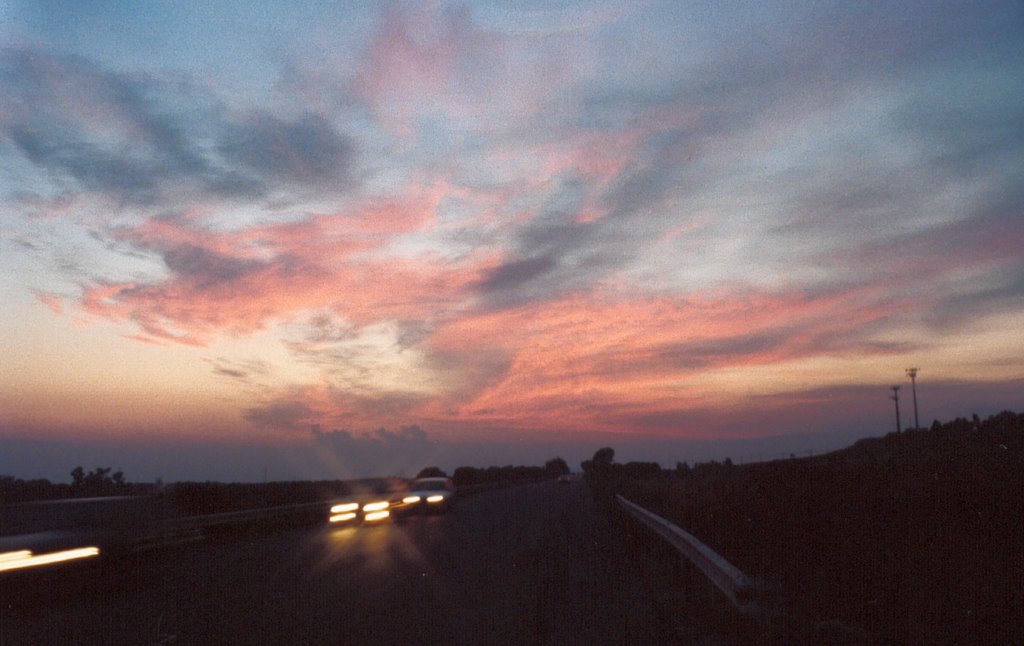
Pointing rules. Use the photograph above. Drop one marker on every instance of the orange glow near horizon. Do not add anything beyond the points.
(581, 363)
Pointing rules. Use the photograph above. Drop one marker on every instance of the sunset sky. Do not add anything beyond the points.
(332, 239)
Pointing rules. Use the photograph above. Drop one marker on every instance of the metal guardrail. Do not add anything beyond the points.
(744, 593)
(149, 534)
(243, 516)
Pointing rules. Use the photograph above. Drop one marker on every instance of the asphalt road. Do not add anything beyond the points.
(533, 564)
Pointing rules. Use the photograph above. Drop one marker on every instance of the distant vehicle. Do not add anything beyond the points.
(564, 478)
(429, 494)
(371, 504)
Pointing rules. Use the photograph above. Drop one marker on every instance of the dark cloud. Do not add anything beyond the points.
(554, 254)
(229, 372)
(970, 133)
(288, 415)
(205, 269)
(244, 371)
(53, 98)
(517, 272)
(548, 255)
(470, 370)
(997, 293)
(308, 150)
(412, 333)
(930, 265)
(157, 145)
(93, 167)
(694, 355)
(382, 452)
(810, 65)
(706, 351)
(344, 441)
(387, 404)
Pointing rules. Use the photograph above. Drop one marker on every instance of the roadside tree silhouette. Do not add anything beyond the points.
(605, 455)
(98, 482)
(556, 467)
(600, 472)
(431, 472)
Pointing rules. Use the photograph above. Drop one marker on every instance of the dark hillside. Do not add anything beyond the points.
(915, 537)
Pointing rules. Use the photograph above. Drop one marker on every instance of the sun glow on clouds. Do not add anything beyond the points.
(628, 354)
(486, 219)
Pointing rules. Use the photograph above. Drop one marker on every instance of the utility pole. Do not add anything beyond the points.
(896, 398)
(912, 373)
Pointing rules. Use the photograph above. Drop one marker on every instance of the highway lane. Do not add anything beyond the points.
(533, 564)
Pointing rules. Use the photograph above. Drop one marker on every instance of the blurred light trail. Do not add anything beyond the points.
(25, 558)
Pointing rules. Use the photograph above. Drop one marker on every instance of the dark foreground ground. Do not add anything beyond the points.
(910, 538)
(532, 564)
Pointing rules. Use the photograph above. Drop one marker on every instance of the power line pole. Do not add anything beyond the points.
(896, 398)
(912, 372)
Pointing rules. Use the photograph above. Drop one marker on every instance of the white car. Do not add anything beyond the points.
(429, 494)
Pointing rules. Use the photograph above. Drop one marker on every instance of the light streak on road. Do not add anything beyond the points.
(21, 559)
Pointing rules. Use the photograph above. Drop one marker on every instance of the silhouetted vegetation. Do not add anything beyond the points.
(473, 476)
(96, 483)
(604, 455)
(909, 538)
(431, 472)
(202, 498)
(13, 490)
(603, 473)
(556, 467)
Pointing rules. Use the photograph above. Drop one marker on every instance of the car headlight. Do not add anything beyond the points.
(410, 499)
(344, 507)
(435, 498)
(375, 506)
(340, 518)
(377, 515)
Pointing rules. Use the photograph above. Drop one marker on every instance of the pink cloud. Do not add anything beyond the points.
(410, 60)
(599, 157)
(53, 302)
(238, 282)
(426, 60)
(587, 363)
